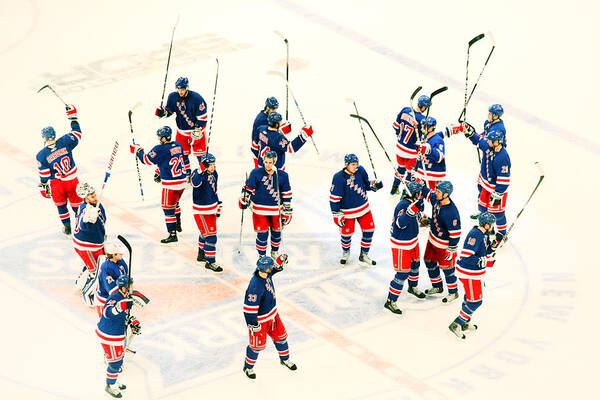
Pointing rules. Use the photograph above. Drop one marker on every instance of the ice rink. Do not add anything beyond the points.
(538, 325)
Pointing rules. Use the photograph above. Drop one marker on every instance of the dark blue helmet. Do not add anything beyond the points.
(123, 281)
(428, 122)
(424, 101)
(165, 132)
(264, 263)
(496, 135)
(274, 118)
(272, 103)
(350, 158)
(182, 83)
(49, 133)
(271, 154)
(445, 187)
(413, 187)
(209, 158)
(497, 110)
(486, 218)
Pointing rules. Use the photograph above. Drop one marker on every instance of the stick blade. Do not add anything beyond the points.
(276, 73)
(125, 243)
(281, 36)
(43, 87)
(476, 39)
(417, 90)
(540, 169)
(438, 91)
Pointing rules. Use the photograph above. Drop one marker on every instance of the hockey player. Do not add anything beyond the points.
(444, 235)
(349, 203)
(262, 318)
(406, 127)
(89, 232)
(431, 163)
(111, 329)
(57, 169)
(271, 105)
(207, 208)
(271, 139)
(405, 245)
(169, 157)
(190, 116)
(476, 256)
(109, 272)
(268, 193)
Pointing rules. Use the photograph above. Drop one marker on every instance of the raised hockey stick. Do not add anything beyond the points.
(242, 223)
(168, 62)
(295, 101)
(212, 109)
(412, 96)
(477, 38)
(287, 70)
(431, 96)
(108, 169)
(128, 247)
(363, 119)
(137, 164)
(541, 178)
(53, 91)
(364, 137)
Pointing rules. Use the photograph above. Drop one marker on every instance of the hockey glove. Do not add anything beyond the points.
(286, 213)
(455, 129)
(490, 259)
(285, 127)
(160, 112)
(134, 324)
(376, 185)
(157, 175)
(135, 148)
(196, 134)
(219, 209)
(281, 261)
(45, 190)
(307, 131)
(339, 219)
(468, 129)
(124, 305)
(496, 198)
(413, 209)
(90, 214)
(244, 201)
(424, 148)
(450, 253)
(71, 112)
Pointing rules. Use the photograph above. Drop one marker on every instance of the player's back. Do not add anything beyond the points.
(112, 324)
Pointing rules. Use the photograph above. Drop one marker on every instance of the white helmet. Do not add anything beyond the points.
(113, 247)
(84, 189)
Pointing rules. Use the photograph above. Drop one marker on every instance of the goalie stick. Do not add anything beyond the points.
(168, 62)
(364, 137)
(53, 91)
(108, 168)
(137, 164)
(287, 70)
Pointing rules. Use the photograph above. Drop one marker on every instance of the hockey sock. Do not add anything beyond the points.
(275, 240)
(112, 371)
(451, 280)
(75, 208)
(201, 241)
(261, 242)
(63, 214)
(178, 213)
(282, 349)
(501, 222)
(346, 242)
(170, 219)
(251, 357)
(365, 243)
(396, 285)
(210, 248)
(467, 310)
(400, 171)
(434, 274)
(413, 276)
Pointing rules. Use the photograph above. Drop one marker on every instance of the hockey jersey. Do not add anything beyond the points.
(472, 261)
(88, 236)
(57, 162)
(107, 279)
(494, 174)
(259, 121)
(169, 159)
(260, 304)
(276, 141)
(445, 227)
(405, 125)
(435, 162)
(205, 198)
(348, 193)
(495, 126)
(263, 191)
(405, 228)
(190, 111)
(111, 327)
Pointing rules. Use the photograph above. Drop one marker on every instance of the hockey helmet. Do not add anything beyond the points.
(124, 281)
(424, 101)
(113, 247)
(413, 187)
(497, 110)
(273, 119)
(496, 135)
(84, 189)
(350, 158)
(49, 133)
(486, 218)
(428, 122)
(445, 187)
(182, 83)
(264, 263)
(209, 158)
(165, 132)
(272, 103)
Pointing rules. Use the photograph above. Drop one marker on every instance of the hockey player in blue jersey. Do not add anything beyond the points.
(406, 128)
(268, 193)
(262, 317)
(271, 105)
(111, 332)
(476, 256)
(349, 203)
(57, 169)
(444, 235)
(271, 139)
(109, 271)
(168, 156)
(207, 208)
(190, 116)
(431, 163)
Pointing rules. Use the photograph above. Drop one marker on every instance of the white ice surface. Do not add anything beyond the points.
(538, 323)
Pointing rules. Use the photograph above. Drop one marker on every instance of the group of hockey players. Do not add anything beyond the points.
(420, 177)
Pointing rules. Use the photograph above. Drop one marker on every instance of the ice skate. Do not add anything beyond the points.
(456, 329)
(345, 255)
(391, 305)
(288, 363)
(66, 230)
(249, 373)
(469, 327)
(213, 267)
(416, 292)
(200, 257)
(450, 297)
(433, 290)
(172, 238)
(365, 260)
(113, 390)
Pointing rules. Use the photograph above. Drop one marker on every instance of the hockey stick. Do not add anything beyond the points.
(412, 96)
(471, 43)
(287, 69)
(108, 168)
(363, 119)
(431, 96)
(364, 137)
(212, 109)
(53, 91)
(128, 247)
(168, 62)
(278, 196)
(137, 164)
(242, 223)
(541, 172)
(296, 102)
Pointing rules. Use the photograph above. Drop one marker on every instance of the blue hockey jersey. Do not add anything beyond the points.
(260, 304)
(405, 125)
(206, 200)
(494, 174)
(57, 162)
(88, 236)
(107, 279)
(259, 121)
(274, 140)
(111, 327)
(190, 111)
(495, 126)
(471, 263)
(348, 193)
(435, 162)
(405, 228)
(169, 159)
(445, 227)
(263, 190)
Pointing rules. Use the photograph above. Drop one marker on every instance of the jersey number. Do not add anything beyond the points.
(63, 166)
(505, 169)
(252, 298)
(408, 131)
(176, 164)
